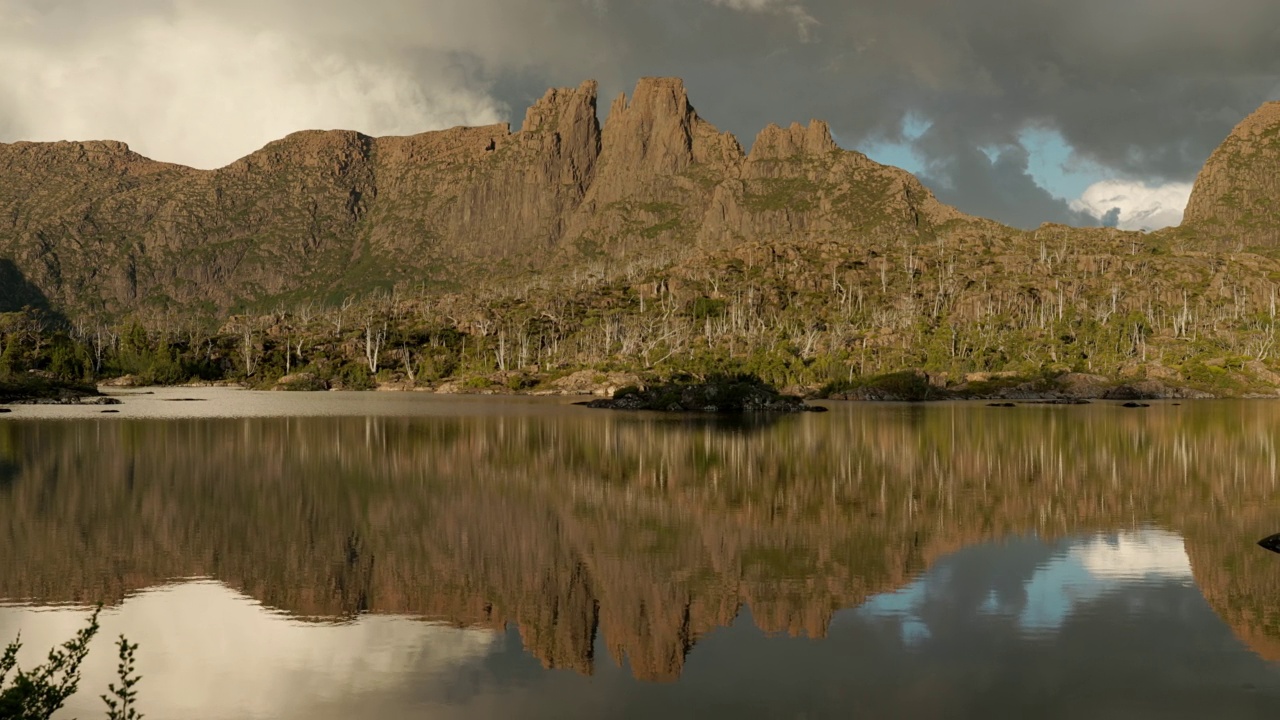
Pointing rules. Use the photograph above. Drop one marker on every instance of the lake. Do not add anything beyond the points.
(382, 555)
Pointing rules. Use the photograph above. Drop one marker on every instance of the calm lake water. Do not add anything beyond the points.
(411, 556)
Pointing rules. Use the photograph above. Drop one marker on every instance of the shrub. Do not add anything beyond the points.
(38, 693)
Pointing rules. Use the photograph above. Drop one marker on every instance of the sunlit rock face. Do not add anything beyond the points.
(317, 210)
(1234, 195)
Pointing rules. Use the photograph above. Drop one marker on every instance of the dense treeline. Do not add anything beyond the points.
(807, 315)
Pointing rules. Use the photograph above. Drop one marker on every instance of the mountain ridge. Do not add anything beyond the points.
(653, 172)
(486, 258)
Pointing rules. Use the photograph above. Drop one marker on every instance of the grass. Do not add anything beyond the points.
(772, 194)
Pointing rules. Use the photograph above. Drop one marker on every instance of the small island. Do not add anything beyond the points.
(726, 394)
(37, 390)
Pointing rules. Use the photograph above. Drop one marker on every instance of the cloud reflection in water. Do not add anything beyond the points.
(211, 652)
(1078, 572)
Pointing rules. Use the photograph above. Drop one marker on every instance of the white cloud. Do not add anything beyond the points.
(1141, 207)
(1136, 555)
(187, 87)
(804, 21)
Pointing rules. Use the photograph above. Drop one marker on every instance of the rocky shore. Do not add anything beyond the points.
(1067, 388)
(46, 392)
(623, 389)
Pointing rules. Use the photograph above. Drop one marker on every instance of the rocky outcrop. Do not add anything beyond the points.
(1237, 194)
(797, 183)
(515, 200)
(659, 163)
(775, 143)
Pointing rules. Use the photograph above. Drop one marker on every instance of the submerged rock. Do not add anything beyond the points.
(1271, 542)
(101, 401)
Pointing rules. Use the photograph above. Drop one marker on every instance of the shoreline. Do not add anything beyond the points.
(225, 402)
(906, 387)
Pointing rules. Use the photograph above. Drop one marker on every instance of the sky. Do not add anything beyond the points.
(1085, 112)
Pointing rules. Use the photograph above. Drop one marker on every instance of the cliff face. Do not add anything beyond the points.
(100, 229)
(1236, 194)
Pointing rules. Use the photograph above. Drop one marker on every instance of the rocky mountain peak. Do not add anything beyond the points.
(777, 143)
(308, 148)
(654, 132)
(1234, 195)
(1261, 121)
(562, 127)
(560, 104)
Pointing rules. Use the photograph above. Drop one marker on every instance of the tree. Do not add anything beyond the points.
(373, 340)
(249, 351)
(11, 358)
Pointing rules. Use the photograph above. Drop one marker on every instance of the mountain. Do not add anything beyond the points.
(101, 229)
(1237, 194)
(481, 259)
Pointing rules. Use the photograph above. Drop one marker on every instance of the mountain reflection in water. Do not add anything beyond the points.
(894, 558)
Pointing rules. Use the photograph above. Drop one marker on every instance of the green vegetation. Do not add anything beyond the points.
(38, 693)
(954, 316)
(716, 394)
(781, 194)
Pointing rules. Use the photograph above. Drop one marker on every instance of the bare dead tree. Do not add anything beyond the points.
(409, 370)
(500, 354)
(249, 351)
(374, 337)
(102, 339)
(347, 302)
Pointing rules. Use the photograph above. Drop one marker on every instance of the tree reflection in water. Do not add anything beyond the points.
(642, 533)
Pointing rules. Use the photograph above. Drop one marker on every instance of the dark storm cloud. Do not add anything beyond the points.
(997, 187)
(1142, 89)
